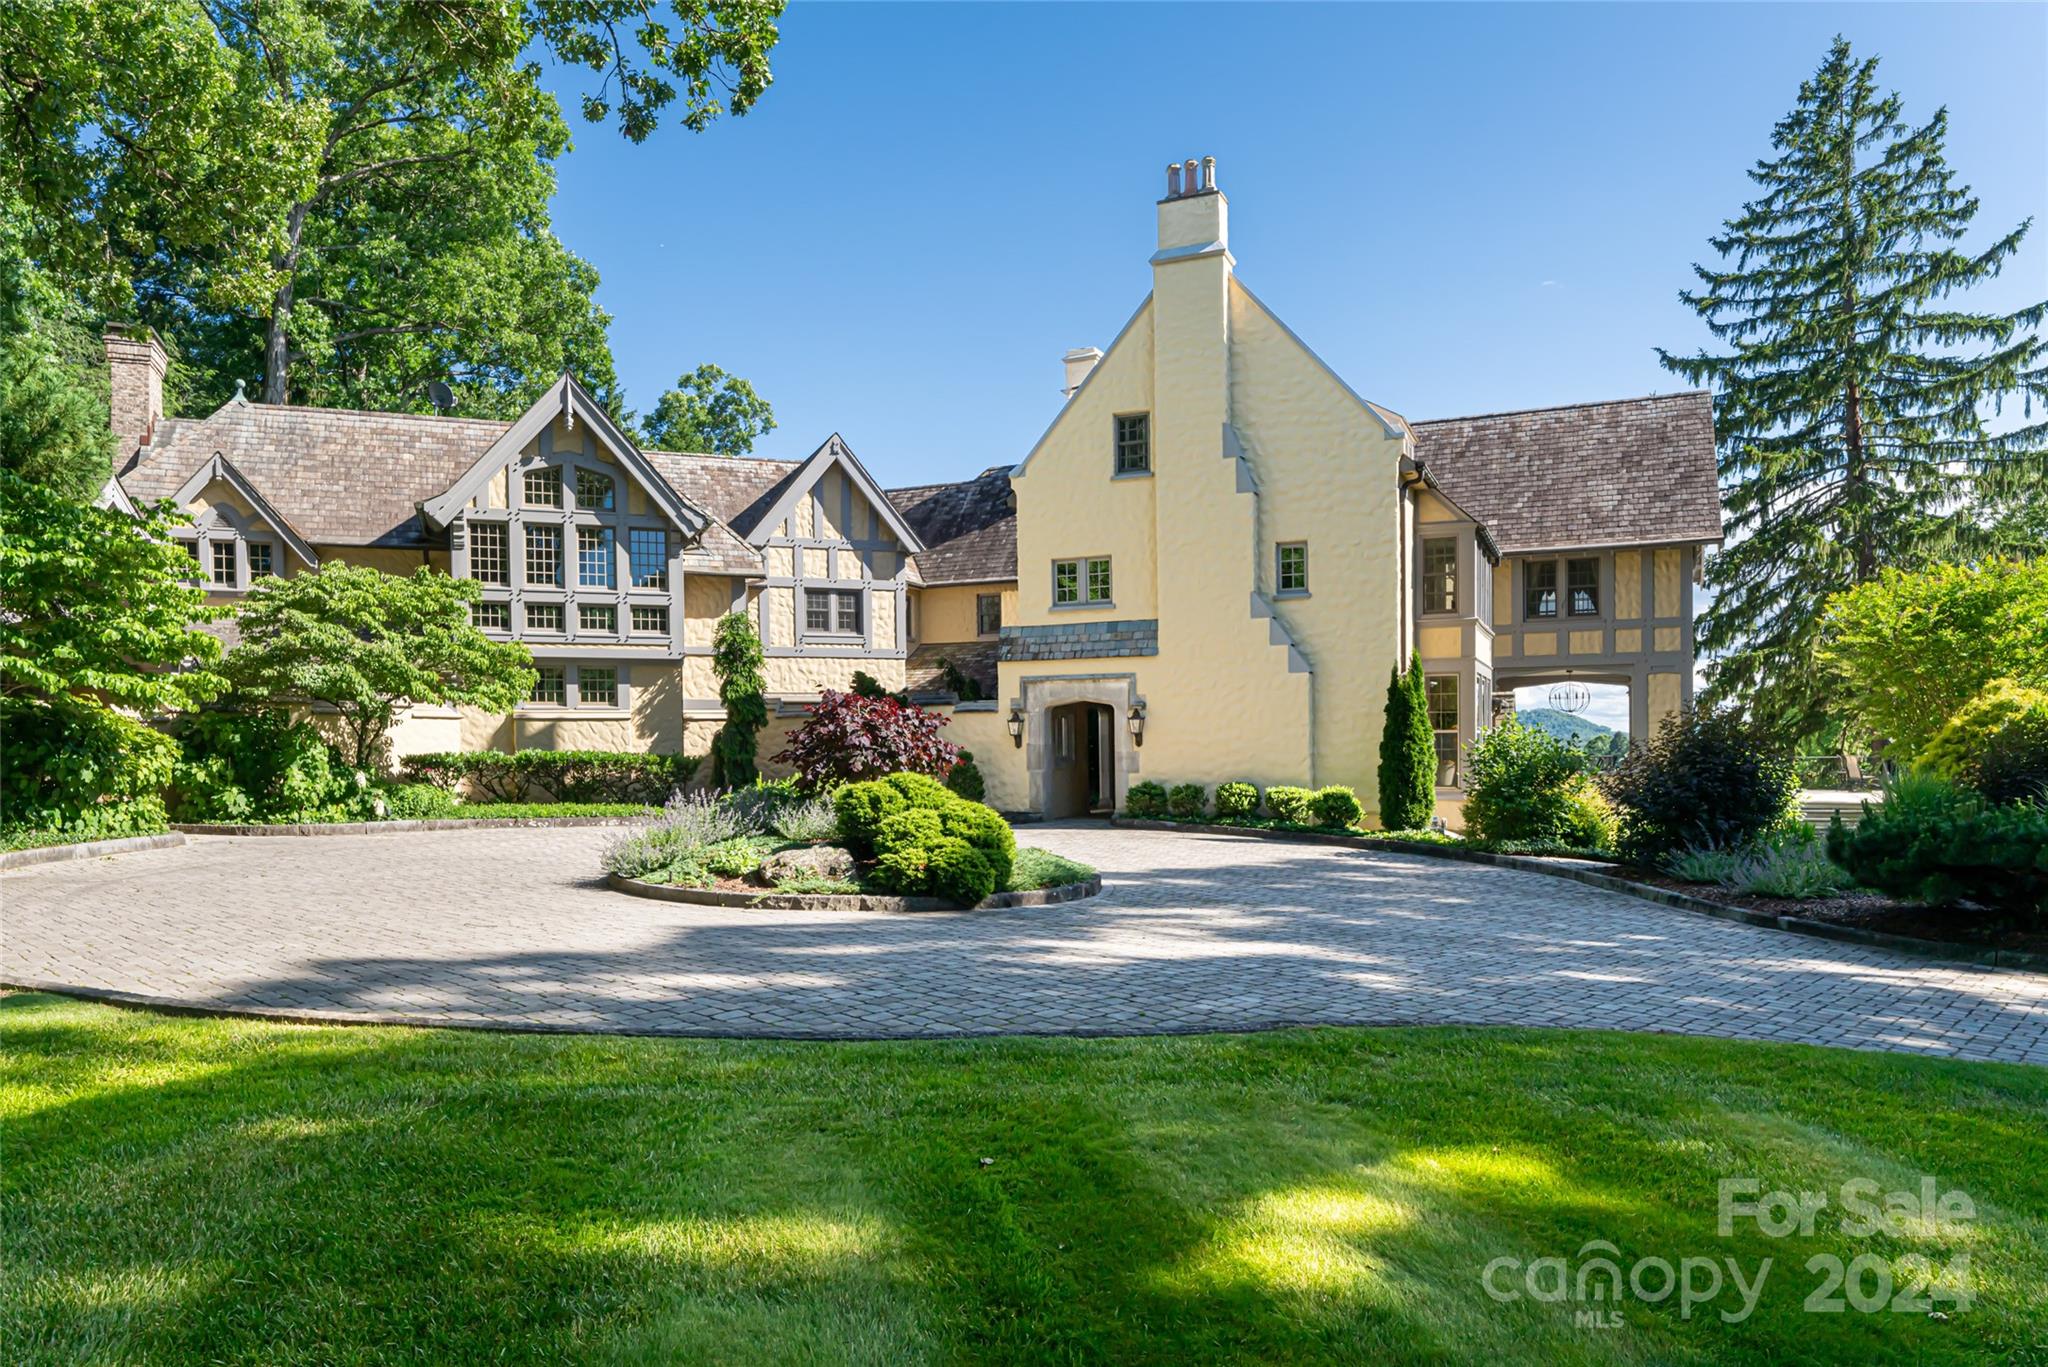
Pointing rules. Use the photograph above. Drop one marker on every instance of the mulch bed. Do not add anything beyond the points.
(1865, 911)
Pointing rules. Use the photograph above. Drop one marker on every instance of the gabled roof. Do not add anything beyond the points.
(220, 468)
(969, 528)
(779, 502)
(565, 398)
(1627, 472)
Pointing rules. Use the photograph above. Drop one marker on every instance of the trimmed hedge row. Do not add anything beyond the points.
(556, 775)
(1335, 806)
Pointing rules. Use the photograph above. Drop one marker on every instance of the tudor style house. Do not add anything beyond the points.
(1205, 569)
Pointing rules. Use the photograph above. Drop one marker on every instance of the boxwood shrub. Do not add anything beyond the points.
(1146, 800)
(1237, 800)
(1187, 800)
(1292, 805)
(1337, 806)
(925, 839)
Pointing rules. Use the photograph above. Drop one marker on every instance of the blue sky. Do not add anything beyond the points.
(1464, 208)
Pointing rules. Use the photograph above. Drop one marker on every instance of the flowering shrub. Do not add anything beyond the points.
(848, 738)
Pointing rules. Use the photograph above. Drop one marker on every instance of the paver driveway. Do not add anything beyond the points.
(1193, 932)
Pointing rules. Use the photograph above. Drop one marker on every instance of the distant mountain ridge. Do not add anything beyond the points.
(1563, 725)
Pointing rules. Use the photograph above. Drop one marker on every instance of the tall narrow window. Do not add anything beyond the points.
(988, 614)
(1440, 574)
(597, 687)
(549, 686)
(544, 555)
(1066, 581)
(648, 549)
(1539, 582)
(1442, 692)
(1133, 443)
(1582, 578)
(593, 491)
(1291, 567)
(543, 487)
(259, 560)
(487, 553)
(223, 567)
(192, 549)
(596, 567)
(1098, 580)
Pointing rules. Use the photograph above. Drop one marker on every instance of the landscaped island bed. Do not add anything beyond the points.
(181, 1189)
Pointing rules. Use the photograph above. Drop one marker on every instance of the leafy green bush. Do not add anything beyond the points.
(957, 872)
(862, 808)
(1187, 800)
(1931, 841)
(737, 661)
(1236, 800)
(912, 823)
(418, 802)
(1707, 779)
(2014, 766)
(1337, 806)
(260, 765)
(1292, 805)
(1526, 784)
(964, 778)
(1146, 800)
(1980, 728)
(556, 775)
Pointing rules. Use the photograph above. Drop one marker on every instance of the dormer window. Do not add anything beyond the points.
(222, 568)
(1134, 443)
(593, 491)
(259, 560)
(543, 487)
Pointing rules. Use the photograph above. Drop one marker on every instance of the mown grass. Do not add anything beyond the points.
(182, 1190)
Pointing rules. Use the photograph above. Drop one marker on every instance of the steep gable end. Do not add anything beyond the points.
(847, 504)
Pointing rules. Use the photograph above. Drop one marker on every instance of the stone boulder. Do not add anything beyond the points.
(811, 861)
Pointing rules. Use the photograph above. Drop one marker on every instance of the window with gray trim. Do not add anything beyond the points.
(542, 487)
(647, 548)
(834, 612)
(1290, 567)
(1441, 691)
(597, 686)
(1539, 588)
(988, 614)
(260, 564)
(544, 556)
(593, 491)
(1080, 582)
(491, 616)
(221, 570)
(650, 617)
(1440, 574)
(487, 564)
(544, 617)
(1133, 443)
(1582, 581)
(601, 619)
(550, 686)
(596, 564)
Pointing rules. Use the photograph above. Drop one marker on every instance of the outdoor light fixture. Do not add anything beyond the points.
(1136, 721)
(1017, 727)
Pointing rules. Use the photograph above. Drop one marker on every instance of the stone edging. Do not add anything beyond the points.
(1579, 872)
(91, 849)
(848, 901)
(482, 823)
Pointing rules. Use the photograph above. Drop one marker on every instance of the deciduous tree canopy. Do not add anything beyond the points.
(708, 411)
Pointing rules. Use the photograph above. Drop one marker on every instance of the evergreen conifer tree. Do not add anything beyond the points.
(1407, 753)
(1851, 401)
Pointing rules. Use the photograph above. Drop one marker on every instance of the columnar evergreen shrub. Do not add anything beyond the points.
(1707, 779)
(1407, 753)
(1337, 806)
(1187, 800)
(847, 738)
(737, 661)
(1146, 800)
(1290, 804)
(1236, 800)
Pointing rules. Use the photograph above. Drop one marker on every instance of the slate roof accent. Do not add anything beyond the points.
(1627, 472)
(924, 671)
(734, 489)
(969, 529)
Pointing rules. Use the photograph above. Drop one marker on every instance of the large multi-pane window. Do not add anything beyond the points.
(1582, 579)
(259, 560)
(988, 614)
(222, 569)
(543, 487)
(1133, 443)
(543, 616)
(491, 616)
(596, 568)
(647, 617)
(599, 618)
(647, 547)
(544, 555)
(1440, 574)
(487, 553)
(550, 686)
(1539, 588)
(593, 491)
(834, 611)
(1442, 692)
(1290, 567)
(597, 687)
(1077, 582)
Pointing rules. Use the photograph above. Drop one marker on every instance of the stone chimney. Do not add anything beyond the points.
(1079, 362)
(136, 364)
(1194, 217)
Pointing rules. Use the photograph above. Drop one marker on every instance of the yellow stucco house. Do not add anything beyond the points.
(1204, 570)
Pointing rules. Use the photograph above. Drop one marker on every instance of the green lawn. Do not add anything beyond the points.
(181, 1190)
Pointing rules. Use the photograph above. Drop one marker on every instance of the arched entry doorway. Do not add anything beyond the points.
(1078, 748)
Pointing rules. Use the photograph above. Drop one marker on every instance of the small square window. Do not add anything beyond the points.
(1291, 575)
(593, 491)
(223, 564)
(1440, 574)
(543, 487)
(259, 560)
(602, 618)
(549, 687)
(988, 614)
(487, 553)
(596, 567)
(650, 618)
(647, 548)
(543, 616)
(1133, 443)
(491, 616)
(597, 687)
(1582, 578)
(1539, 582)
(544, 555)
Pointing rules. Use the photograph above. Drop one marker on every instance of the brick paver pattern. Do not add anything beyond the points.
(1193, 932)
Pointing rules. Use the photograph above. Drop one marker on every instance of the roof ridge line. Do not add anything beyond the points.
(1560, 407)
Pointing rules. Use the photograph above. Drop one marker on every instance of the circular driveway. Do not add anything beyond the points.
(512, 928)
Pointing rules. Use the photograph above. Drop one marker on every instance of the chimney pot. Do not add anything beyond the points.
(1188, 174)
(1079, 362)
(1173, 180)
(1208, 173)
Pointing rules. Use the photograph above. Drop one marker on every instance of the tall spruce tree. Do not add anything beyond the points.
(1851, 404)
